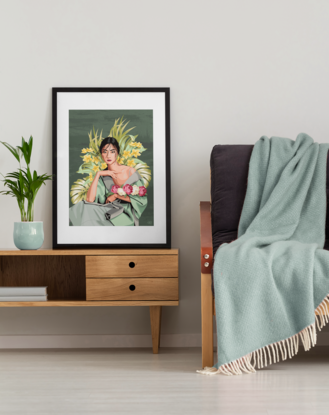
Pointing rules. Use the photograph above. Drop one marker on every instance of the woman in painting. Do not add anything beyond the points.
(116, 197)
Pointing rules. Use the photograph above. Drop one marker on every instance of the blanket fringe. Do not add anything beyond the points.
(271, 354)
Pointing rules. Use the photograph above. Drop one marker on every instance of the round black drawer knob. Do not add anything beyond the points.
(132, 287)
(132, 264)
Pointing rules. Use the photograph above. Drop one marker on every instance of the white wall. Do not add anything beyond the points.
(237, 70)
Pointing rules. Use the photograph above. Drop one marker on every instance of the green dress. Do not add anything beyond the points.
(117, 213)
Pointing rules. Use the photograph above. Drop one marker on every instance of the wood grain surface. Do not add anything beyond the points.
(145, 289)
(207, 336)
(143, 266)
(76, 303)
(155, 316)
(84, 252)
(206, 237)
(133, 381)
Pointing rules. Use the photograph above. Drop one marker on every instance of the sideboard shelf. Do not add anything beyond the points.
(86, 252)
(73, 303)
(96, 278)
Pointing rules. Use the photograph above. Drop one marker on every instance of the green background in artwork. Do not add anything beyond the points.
(82, 121)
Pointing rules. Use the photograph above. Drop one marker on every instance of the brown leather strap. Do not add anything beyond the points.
(206, 238)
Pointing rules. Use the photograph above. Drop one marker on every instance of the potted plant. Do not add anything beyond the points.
(24, 186)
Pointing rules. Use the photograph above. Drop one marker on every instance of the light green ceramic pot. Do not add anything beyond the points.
(28, 235)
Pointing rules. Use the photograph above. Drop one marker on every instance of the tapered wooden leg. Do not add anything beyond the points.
(155, 314)
(207, 321)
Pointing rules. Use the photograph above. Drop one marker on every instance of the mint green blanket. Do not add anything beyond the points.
(271, 280)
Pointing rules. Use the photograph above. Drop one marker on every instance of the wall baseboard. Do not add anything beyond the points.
(109, 341)
(96, 341)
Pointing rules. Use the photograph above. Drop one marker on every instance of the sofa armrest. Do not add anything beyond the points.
(206, 238)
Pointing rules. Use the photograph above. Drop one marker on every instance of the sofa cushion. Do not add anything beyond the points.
(229, 173)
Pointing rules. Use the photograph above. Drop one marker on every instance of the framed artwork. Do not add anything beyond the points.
(111, 167)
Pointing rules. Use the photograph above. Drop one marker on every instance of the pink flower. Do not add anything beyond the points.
(142, 190)
(114, 189)
(128, 189)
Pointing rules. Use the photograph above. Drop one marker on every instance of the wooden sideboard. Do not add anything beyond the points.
(89, 278)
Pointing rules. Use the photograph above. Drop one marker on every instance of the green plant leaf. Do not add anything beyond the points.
(22, 184)
(79, 190)
(138, 161)
(7, 181)
(86, 168)
(14, 175)
(145, 172)
(21, 180)
(26, 149)
(28, 175)
(14, 151)
(30, 145)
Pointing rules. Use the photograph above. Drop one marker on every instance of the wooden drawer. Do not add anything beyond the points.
(132, 266)
(155, 289)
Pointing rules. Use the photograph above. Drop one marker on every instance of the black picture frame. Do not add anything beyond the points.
(56, 244)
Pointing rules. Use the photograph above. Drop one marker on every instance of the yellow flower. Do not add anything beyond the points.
(103, 166)
(126, 154)
(96, 168)
(87, 158)
(139, 145)
(90, 150)
(131, 163)
(135, 153)
(84, 150)
(96, 160)
(90, 176)
(119, 160)
(133, 144)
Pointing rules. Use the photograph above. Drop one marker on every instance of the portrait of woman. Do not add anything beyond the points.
(116, 195)
(111, 167)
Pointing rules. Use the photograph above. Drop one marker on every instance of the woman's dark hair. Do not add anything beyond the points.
(109, 140)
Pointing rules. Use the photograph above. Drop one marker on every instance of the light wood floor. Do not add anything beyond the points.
(134, 381)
